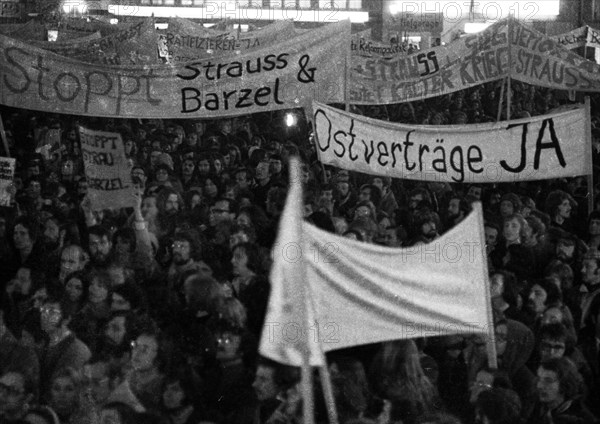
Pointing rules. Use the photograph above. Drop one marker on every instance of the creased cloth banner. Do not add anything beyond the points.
(541, 61)
(134, 45)
(549, 146)
(107, 170)
(470, 61)
(30, 30)
(186, 43)
(289, 299)
(7, 175)
(579, 37)
(286, 75)
(363, 293)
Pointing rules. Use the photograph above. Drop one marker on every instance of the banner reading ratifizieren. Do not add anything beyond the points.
(286, 75)
(549, 146)
(106, 169)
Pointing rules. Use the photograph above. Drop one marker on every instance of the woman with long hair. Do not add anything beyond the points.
(397, 375)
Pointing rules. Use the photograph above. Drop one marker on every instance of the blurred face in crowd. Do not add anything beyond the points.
(454, 208)
(115, 330)
(173, 396)
(590, 274)
(491, 237)
(162, 175)
(594, 227)
(564, 209)
(143, 353)
(119, 303)
(548, 386)
(506, 208)
(475, 191)
(537, 299)
(210, 189)
(12, 395)
(172, 203)
(552, 348)
(203, 167)
(149, 209)
(100, 247)
(219, 212)
(264, 383)
(50, 317)
(262, 171)
(228, 345)
(239, 262)
(553, 315)
(565, 249)
(414, 201)
(21, 238)
(275, 166)
(82, 188)
(343, 188)
(64, 397)
(496, 285)
(74, 289)
(241, 180)
(97, 292)
(188, 168)
(51, 232)
(71, 260)
(378, 182)
(364, 195)
(512, 231)
(182, 252)
(97, 377)
(483, 381)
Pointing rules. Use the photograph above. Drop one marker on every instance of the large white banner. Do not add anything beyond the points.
(289, 74)
(550, 146)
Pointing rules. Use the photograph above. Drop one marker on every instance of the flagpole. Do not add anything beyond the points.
(500, 101)
(491, 336)
(308, 407)
(328, 393)
(508, 88)
(3, 136)
(590, 175)
(347, 77)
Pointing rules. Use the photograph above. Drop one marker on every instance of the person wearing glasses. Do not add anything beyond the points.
(16, 392)
(63, 349)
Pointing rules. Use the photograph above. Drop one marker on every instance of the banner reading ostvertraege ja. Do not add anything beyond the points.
(549, 146)
(286, 75)
(106, 169)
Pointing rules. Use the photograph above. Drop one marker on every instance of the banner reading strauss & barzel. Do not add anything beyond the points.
(549, 146)
(285, 75)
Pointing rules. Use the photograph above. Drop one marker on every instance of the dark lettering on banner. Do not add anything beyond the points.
(67, 87)
(106, 184)
(595, 36)
(418, 156)
(539, 146)
(192, 99)
(220, 43)
(211, 71)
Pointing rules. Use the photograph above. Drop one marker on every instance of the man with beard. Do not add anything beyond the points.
(100, 246)
(542, 293)
(185, 252)
(426, 226)
(16, 394)
(458, 208)
(53, 237)
(590, 287)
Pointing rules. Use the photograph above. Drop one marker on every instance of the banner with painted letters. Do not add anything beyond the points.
(286, 75)
(7, 175)
(549, 146)
(185, 44)
(541, 61)
(133, 45)
(579, 37)
(470, 61)
(107, 170)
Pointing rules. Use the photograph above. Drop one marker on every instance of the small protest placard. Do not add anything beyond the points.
(7, 173)
(106, 169)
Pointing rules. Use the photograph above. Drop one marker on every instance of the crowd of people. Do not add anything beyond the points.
(153, 314)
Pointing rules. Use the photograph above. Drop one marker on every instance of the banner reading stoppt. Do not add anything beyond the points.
(286, 75)
(548, 146)
(106, 169)
(7, 174)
